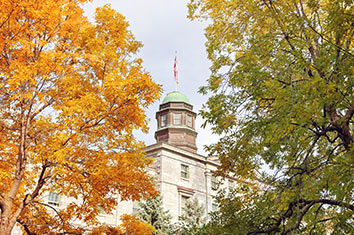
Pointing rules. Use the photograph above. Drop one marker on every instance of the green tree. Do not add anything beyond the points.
(282, 95)
(192, 218)
(151, 212)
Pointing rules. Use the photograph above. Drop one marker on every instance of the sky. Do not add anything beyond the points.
(162, 26)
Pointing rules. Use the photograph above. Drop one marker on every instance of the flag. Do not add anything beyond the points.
(175, 72)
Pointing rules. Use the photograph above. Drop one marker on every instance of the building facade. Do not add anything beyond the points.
(181, 172)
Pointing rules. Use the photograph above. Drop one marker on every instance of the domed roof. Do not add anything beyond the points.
(176, 96)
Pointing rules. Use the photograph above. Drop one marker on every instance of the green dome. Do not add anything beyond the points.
(176, 96)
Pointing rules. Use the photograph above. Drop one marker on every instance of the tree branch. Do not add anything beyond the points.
(305, 206)
(25, 227)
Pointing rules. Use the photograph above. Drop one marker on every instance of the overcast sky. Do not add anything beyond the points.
(162, 26)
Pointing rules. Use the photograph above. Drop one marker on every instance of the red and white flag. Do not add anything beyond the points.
(175, 72)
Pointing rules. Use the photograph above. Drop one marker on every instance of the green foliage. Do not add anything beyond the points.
(282, 95)
(192, 219)
(151, 212)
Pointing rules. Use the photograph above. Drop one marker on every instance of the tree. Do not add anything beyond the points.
(130, 225)
(192, 218)
(281, 95)
(150, 211)
(71, 94)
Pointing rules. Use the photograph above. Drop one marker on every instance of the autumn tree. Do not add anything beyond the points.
(130, 225)
(282, 95)
(71, 93)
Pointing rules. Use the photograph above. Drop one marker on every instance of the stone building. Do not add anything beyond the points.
(180, 172)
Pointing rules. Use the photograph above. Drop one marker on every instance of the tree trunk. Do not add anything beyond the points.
(6, 222)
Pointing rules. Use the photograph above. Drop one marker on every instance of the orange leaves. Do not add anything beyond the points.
(133, 226)
(130, 226)
(71, 94)
(112, 26)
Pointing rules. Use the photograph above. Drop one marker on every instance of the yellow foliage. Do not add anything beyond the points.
(71, 94)
(130, 226)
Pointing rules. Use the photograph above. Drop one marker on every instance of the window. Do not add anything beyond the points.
(189, 121)
(164, 120)
(53, 199)
(177, 119)
(184, 200)
(184, 171)
(214, 183)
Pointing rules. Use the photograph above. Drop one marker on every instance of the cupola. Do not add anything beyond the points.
(176, 122)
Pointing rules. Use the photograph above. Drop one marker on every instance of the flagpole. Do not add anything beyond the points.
(175, 71)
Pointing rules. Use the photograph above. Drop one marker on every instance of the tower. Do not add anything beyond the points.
(176, 122)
